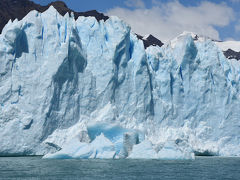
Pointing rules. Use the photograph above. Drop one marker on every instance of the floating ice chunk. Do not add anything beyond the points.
(68, 151)
(85, 152)
(103, 147)
(120, 143)
(61, 137)
(57, 155)
(101, 143)
(144, 150)
(171, 151)
(117, 135)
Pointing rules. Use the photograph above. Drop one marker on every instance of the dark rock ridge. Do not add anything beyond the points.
(150, 40)
(230, 54)
(12, 9)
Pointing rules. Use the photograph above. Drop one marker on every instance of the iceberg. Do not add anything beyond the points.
(107, 142)
(122, 138)
(170, 151)
(100, 148)
(86, 151)
(62, 79)
(71, 150)
(144, 150)
(103, 148)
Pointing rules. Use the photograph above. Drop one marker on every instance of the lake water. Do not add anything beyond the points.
(201, 168)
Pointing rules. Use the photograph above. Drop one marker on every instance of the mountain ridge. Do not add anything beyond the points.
(13, 9)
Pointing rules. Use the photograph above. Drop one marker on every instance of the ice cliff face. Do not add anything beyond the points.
(58, 75)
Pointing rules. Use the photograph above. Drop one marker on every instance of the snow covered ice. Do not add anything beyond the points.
(62, 79)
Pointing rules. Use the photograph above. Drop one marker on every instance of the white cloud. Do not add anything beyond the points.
(235, 1)
(167, 20)
(237, 26)
(134, 3)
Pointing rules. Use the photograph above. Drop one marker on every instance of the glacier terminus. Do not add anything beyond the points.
(89, 89)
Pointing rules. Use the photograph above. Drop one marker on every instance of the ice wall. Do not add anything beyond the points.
(58, 75)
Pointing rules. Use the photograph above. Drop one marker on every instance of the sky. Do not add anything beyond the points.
(166, 19)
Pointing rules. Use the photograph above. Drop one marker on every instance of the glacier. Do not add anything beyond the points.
(66, 83)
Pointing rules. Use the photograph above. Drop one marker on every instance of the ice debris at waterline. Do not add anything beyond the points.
(58, 73)
(115, 142)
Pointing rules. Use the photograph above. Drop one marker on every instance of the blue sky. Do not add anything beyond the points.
(168, 18)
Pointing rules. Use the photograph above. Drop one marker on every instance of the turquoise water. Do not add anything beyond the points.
(37, 168)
